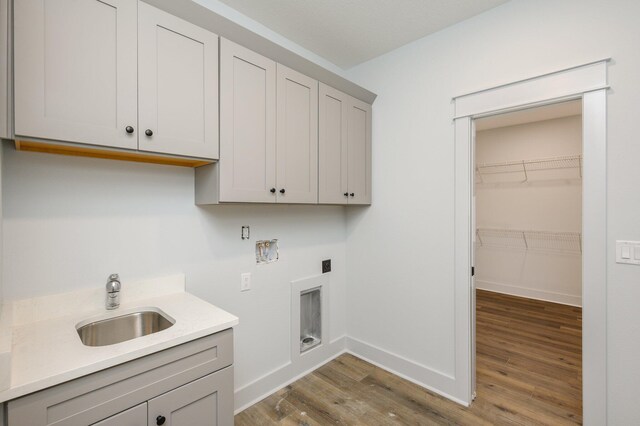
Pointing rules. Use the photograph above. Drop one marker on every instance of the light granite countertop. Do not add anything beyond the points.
(46, 349)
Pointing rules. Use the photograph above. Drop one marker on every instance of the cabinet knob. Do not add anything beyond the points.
(346, 194)
(148, 132)
(272, 190)
(282, 191)
(160, 420)
(129, 129)
(352, 194)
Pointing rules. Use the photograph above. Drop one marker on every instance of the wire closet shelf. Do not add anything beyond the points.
(526, 167)
(543, 241)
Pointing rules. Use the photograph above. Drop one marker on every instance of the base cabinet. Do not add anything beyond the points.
(205, 402)
(136, 416)
(187, 385)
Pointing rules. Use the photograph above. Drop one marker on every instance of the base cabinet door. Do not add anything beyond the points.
(136, 416)
(75, 66)
(205, 402)
(178, 86)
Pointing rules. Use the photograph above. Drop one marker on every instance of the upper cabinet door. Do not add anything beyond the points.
(178, 85)
(247, 125)
(76, 70)
(359, 147)
(332, 150)
(297, 137)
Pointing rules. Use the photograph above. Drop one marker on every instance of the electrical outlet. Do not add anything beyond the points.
(326, 266)
(245, 281)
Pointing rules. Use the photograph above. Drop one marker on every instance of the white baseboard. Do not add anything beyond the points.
(548, 296)
(430, 379)
(259, 389)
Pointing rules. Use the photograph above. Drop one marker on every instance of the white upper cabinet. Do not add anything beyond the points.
(123, 74)
(257, 162)
(115, 73)
(344, 148)
(178, 85)
(333, 117)
(285, 138)
(297, 137)
(247, 168)
(359, 152)
(76, 70)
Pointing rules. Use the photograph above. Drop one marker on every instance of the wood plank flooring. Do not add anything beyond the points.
(529, 372)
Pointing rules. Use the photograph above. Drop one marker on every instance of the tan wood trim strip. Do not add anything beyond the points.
(81, 151)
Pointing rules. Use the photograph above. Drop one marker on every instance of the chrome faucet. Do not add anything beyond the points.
(113, 292)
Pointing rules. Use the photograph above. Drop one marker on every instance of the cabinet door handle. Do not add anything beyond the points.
(148, 132)
(272, 190)
(160, 420)
(282, 191)
(129, 129)
(346, 194)
(353, 194)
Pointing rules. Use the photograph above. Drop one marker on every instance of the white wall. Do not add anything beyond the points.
(550, 200)
(69, 222)
(401, 294)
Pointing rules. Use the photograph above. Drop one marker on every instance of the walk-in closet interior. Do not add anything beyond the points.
(528, 258)
(529, 203)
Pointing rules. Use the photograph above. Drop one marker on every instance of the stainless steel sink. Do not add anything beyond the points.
(124, 327)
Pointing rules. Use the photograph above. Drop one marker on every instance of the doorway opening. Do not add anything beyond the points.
(588, 82)
(527, 257)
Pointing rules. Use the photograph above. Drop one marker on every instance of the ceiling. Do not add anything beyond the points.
(531, 115)
(349, 32)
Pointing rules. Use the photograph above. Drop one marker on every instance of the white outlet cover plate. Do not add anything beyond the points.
(245, 281)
